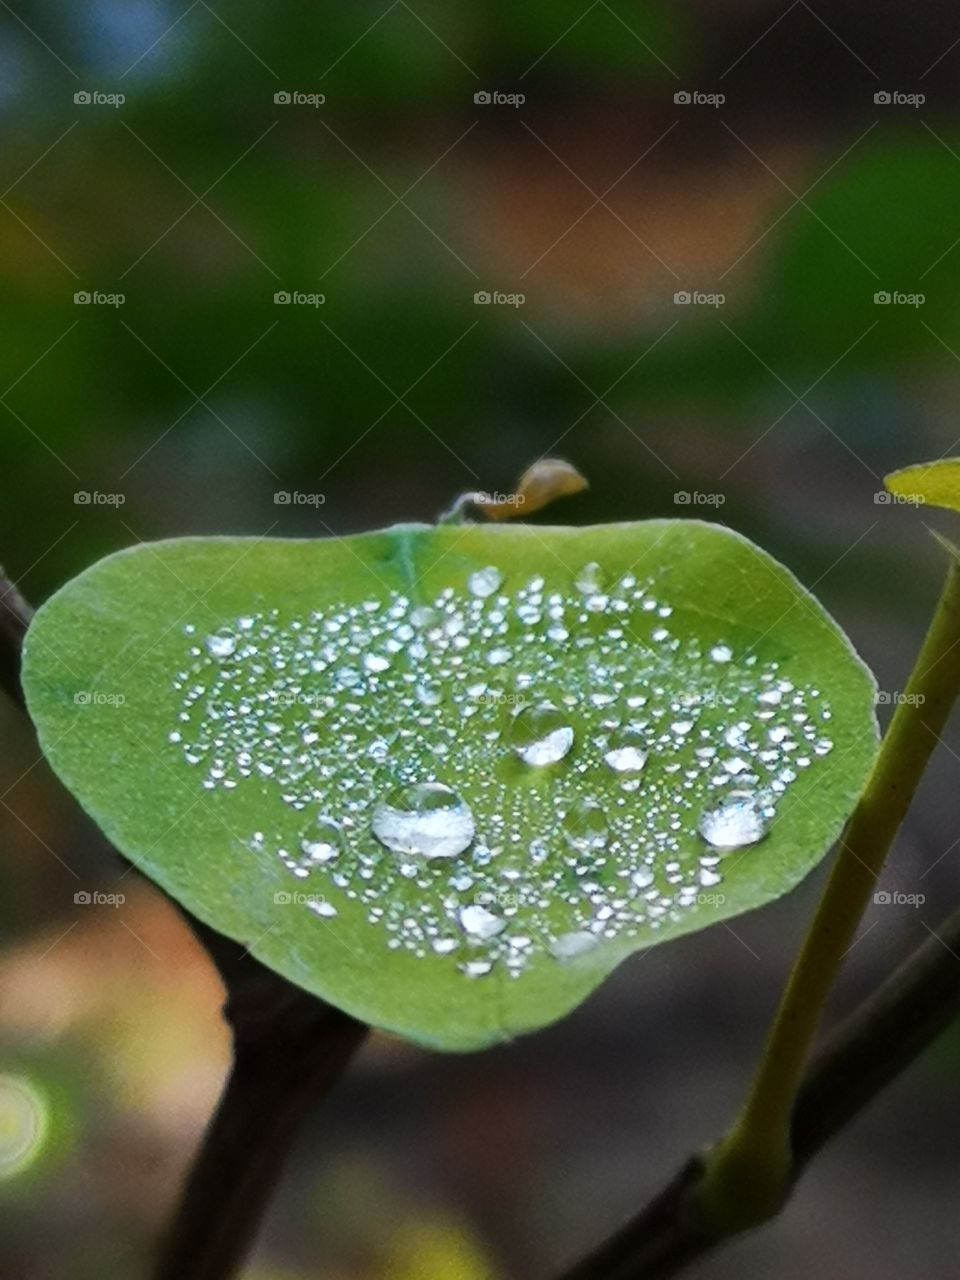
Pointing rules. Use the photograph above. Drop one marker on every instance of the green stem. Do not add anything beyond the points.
(748, 1172)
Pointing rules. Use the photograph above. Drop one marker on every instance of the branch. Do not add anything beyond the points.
(15, 616)
(890, 1030)
(289, 1049)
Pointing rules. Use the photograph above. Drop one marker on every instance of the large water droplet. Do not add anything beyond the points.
(590, 578)
(426, 819)
(221, 646)
(481, 924)
(324, 841)
(425, 616)
(322, 908)
(627, 752)
(585, 826)
(540, 735)
(741, 820)
(570, 945)
(428, 694)
(485, 581)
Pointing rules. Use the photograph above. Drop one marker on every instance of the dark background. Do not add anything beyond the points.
(798, 198)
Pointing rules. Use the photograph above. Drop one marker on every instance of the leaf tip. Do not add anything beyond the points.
(936, 484)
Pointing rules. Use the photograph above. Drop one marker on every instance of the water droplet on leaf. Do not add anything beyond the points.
(481, 924)
(627, 753)
(324, 841)
(221, 646)
(590, 578)
(585, 826)
(540, 735)
(320, 907)
(429, 695)
(484, 582)
(427, 819)
(741, 820)
(570, 945)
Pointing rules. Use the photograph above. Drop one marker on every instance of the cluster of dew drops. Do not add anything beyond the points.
(402, 734)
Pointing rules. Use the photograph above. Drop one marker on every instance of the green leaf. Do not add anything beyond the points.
(935, 483)
(240, 716)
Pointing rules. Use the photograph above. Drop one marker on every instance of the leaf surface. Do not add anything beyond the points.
(448, 778)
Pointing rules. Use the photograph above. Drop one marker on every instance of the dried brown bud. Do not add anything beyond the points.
(541, 484)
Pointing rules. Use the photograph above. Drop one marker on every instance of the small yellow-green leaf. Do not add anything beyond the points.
(936, 484)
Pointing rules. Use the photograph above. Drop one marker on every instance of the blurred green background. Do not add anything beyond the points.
(800, 198)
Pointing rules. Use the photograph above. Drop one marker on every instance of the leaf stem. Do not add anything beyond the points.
(748, 1174)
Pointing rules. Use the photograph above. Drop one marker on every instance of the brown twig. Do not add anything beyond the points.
(289, 1050)
(15, 616)
(886, 1033)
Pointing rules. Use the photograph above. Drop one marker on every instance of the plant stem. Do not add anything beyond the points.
(289, 1049)
(888, 1031)
(893, 1026)
(15, 616)
(748, 1174)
